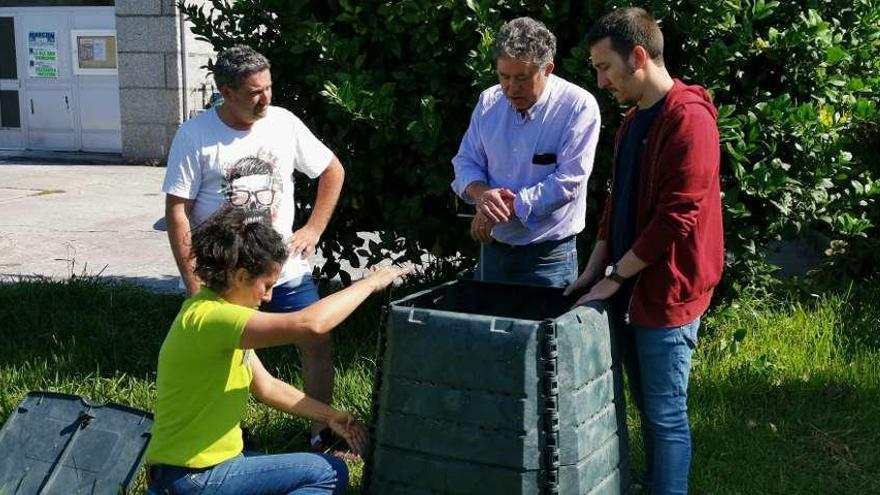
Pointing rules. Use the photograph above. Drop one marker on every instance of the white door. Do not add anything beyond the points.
(11, 130)
(97, 89)
(48, 84)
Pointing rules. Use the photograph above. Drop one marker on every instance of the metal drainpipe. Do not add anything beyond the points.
(183, 56)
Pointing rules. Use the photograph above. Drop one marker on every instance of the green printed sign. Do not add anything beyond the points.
(42, 55)
(43, 71)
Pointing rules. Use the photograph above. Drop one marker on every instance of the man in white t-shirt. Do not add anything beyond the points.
(242, 154)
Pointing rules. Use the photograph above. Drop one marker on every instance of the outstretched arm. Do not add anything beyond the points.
(274, 329)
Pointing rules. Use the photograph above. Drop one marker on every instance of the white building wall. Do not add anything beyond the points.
(200, 84)
(152, 61)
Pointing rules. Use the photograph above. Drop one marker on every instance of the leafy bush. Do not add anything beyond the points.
(795, 84)
(390, 87)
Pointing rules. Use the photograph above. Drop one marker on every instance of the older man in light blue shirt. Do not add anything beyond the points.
(525, 160)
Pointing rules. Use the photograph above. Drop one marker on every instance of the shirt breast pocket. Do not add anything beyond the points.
(544, 159)
(543, 164)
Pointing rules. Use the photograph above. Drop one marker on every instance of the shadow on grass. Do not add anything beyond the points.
(813, 435)
(858, 323)
(81, 335)
(83, 326)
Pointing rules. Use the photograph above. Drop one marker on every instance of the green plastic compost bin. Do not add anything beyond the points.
(487, 388)
(60, 444)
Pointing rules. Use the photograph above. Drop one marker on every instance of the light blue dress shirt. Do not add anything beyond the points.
(500, 143)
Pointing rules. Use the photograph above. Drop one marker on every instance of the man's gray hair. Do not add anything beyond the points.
(527, 40)
(236, 63)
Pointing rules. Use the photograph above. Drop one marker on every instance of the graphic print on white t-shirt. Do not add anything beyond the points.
(254, 183)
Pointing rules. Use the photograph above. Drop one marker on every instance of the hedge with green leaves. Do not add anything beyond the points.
(389, 86)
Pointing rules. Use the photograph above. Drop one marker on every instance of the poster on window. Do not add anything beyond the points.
(94, 51)
(42, 55)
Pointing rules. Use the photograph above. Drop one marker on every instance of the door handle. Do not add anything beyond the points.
(32, 106)
(66, 102)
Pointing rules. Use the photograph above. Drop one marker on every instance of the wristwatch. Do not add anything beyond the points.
(612, 271)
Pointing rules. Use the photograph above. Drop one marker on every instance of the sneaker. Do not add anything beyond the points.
(326, 442)
(321, 441)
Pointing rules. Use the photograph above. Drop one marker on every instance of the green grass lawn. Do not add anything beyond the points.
(785, 396)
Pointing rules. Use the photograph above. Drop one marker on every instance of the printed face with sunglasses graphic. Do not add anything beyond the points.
(251, 183)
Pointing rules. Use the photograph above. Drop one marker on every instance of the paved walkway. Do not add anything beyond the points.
(57, 220)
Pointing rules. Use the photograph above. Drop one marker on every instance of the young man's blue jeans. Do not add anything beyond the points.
(550, 263)
(282, 474)
(658, 363)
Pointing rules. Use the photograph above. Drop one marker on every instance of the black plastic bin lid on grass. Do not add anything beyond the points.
(62, 444)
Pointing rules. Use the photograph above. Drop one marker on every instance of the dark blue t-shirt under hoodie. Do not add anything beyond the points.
(626, 187)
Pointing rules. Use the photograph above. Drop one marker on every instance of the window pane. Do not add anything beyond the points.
(10, 116)
(7, 49)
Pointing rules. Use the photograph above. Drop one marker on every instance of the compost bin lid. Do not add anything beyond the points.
(59, 443)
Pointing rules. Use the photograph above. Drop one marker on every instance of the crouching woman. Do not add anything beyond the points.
(208, 367)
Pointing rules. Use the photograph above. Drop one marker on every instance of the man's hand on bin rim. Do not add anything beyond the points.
(603, 290)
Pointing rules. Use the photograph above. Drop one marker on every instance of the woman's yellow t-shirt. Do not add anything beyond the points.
(202, 383)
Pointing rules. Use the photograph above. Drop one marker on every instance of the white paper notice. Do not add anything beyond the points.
(100, 51)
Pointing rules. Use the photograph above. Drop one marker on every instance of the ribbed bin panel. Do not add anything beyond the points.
(496, 389)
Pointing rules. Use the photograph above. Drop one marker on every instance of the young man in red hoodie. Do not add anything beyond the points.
(660, 251)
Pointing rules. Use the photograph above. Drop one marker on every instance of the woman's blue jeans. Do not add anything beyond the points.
(297, 473)
(658, 364)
